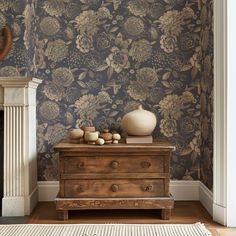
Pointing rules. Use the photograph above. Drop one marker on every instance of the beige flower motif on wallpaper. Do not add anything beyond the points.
(196, 143)
(171, 24)
(118, 59)
(53, 91)
(54, 7)
(168, 127)
(55, 133)
(88, 106)
(88, 21)
(62, 76)
(168, 43)
(171, 107)
(9, 71)
(103, 41)
(146, 78)
(4, 5)
(138, 7)
(49, 26)
(134, 26)
(56, 50)
(141, 50)
(84, 43)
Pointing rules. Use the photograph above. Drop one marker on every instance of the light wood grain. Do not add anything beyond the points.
(182, 213)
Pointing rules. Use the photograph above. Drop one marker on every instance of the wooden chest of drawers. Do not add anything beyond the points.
(116, 176)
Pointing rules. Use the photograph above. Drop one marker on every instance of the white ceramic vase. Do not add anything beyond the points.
(139, 122)
(91, 136)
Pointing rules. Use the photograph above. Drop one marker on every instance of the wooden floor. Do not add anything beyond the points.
(183, 213)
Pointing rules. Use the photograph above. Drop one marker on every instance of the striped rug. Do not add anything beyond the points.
(197, 229)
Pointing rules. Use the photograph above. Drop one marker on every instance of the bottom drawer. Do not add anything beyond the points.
(114, 188)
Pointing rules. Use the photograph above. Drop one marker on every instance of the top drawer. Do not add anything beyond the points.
(132, 164)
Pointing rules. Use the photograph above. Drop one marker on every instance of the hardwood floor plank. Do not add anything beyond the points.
(183, 213)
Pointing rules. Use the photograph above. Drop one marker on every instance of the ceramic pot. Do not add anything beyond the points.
(139, 122)
(88, 129)
(91, 137)
(106, 135)
(76, 133)
(100, 141)
(116, 136)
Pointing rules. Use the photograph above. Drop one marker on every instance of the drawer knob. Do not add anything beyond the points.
(148, 188)
(81, 189)
(114, 188)
(80, 165)
(145, 164)
(114, 164)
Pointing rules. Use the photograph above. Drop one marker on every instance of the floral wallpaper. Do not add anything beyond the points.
(99, 59)
(20, 15)
(206, 98)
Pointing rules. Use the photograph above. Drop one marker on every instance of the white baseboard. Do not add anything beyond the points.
(31, 201)
(185, 190)
(48, 190)
(181, 190)
(219, 214)
(206, 197)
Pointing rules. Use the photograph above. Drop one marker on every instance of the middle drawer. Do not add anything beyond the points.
(134, 164)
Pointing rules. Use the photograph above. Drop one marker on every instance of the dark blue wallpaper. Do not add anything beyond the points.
(100, 59)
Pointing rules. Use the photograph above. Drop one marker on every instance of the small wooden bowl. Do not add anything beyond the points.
(88, 128)
(106, 136)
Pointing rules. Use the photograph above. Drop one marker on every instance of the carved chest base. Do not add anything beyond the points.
(63, 205)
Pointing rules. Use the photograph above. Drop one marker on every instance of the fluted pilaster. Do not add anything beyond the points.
(20, 187)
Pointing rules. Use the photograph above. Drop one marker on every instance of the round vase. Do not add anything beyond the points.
(139, 122)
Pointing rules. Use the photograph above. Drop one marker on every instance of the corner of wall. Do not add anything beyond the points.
(206, 197)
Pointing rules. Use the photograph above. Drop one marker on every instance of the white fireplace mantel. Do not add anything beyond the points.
(18, 100)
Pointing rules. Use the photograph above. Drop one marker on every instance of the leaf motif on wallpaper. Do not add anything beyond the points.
(175, 74)
(196, 114)
(113, 29)
(82, 84)
(186, 67)
(83, 75)
(166, 84)
(186, 151)
(102, 67)
(168, 91)
(166, 76)
(110, 72)
(113, 113)
(194, 73)
(154, 33)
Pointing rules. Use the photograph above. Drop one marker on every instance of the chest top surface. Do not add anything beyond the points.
(156, 146)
